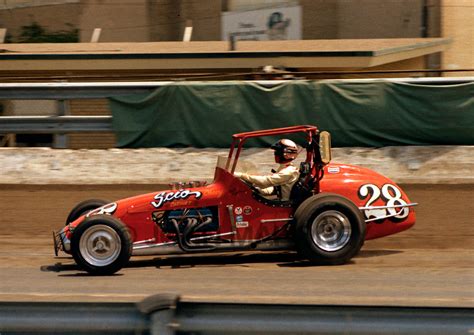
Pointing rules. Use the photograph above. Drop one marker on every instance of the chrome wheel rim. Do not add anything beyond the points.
(100, 245)
(331, 231)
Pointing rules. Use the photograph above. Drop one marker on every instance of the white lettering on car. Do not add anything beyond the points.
(163, 197)
(108, 209)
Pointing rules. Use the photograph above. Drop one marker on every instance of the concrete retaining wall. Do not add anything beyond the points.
(407, 165)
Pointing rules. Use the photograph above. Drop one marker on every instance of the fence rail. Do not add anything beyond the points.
(167, 315)
(54, 124)
(94, 90)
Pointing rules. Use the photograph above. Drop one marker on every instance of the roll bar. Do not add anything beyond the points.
(239, 139)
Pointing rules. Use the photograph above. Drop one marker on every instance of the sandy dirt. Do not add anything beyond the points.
(445, 215)
(429, 265)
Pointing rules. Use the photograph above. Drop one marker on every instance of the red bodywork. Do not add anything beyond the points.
(244, 217)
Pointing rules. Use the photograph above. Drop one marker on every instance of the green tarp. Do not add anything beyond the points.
(374, 113)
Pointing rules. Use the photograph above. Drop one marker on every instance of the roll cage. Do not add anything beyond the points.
(313, 164)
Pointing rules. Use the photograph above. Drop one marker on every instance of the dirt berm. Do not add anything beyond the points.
(38, 187)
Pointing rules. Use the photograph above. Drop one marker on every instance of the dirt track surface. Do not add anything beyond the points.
(430, 265)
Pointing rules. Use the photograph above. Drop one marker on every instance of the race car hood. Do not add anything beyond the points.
(375, 195)
(347, 179)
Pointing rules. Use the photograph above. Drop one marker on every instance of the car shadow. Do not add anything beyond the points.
(219, 260)
(361, 254)
(189, 261)
(60, 267)
(280, 259)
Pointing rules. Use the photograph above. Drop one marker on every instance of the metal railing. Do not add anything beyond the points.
(54, 124)
(165, 315)
(95, 90)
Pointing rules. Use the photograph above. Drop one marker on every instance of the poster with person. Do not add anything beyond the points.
(281, 23)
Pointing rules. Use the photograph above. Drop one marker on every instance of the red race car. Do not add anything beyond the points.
(333, 209)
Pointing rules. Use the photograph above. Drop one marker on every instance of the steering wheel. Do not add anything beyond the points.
(253, 188)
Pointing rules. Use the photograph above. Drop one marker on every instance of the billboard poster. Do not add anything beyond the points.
(282, 23)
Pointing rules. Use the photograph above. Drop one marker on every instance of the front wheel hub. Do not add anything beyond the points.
(331, 230)
(100, 245)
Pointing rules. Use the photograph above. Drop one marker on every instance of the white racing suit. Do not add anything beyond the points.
(285, 176)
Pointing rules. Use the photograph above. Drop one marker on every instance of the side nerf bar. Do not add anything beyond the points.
(386, 207)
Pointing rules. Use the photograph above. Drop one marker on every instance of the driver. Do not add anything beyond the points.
(280, 181)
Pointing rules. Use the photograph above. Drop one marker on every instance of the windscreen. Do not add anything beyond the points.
(244, 165)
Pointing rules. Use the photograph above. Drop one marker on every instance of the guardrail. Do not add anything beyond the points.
(54, 124)
(165, 315)
(95, 90)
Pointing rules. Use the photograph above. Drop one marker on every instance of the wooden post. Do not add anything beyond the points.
(8, 140)
(60, 141)
(96, 35)
(232, 41)
(188, 31)
(3, 34)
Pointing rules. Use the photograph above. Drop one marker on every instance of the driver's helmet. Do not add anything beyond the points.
(285, 150)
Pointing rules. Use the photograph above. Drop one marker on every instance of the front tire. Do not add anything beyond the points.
(330, 229)
(84, 207)
(101, 245)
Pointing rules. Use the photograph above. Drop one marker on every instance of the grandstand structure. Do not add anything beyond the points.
(143, 41)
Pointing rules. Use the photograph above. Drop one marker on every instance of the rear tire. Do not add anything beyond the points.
(330, 229)
(84, 207)
(101, 245)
